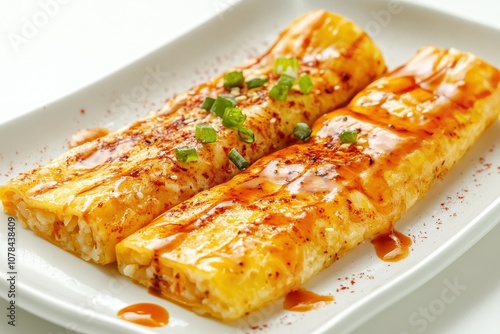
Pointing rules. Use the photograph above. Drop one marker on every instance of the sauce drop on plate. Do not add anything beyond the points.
(146, 314)
(392, 247)
(302, 300)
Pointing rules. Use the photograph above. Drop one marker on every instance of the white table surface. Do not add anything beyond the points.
(97, 43)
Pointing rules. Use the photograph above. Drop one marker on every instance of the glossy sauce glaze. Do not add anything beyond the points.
(392, 247)
(445, 73)
(298, 210)
(297, 188)
(318, 171)
(145, 314)
(85, 135)
(313, 173)
(302, 300)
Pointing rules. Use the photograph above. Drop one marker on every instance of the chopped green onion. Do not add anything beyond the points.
(305, 84)
(205, 133)
(246, 135)
(186, 154)
(348, 136)
(288, 66)
(233, 118)
(233, 79)
(286, 80)
(302, 131)
(221, 103)
(256, 83)
(207, 103)
(279, 92)
(238, 160)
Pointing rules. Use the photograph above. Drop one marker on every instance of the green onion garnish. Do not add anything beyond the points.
(286, 80)
(348, 136)
(186, 154)
(205, 133)
(288, 66)
(233, 79)
(279, 92)
(256, 83)
(207, 103)
(237, 159)
(302, 131)
(305, 84)
(246, 135)
(221, 103)
(233, 118)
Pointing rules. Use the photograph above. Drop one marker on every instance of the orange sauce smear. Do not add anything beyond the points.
(85, 135)
(146, 314)
(392, 247)
(302, 300)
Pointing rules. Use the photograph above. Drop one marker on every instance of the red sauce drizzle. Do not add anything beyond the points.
(146, 314)
(392, 247)
(303, 300)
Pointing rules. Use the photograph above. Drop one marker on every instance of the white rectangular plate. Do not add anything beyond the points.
(85, 297)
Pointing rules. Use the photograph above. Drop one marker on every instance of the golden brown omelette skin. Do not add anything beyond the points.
(251, 240)
(98, 193)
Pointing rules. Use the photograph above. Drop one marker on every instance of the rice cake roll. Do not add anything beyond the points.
(96, 194)
(232, 249)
